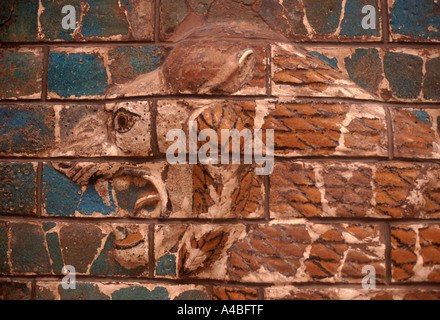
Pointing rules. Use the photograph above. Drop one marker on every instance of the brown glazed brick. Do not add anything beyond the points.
(184, 251)
(415, 133)
(301, 252)
(415, 253)
(230, 293)
(297, 293)
(327, 129)
(296, 72)
(300, 129)
(355, 189)
(239, 184)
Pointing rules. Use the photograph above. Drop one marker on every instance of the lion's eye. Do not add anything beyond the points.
(124, 120)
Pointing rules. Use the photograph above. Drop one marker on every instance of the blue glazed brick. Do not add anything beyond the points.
(20, 74)
(18, 20)
(130, 62)
(104, 18)
(91, 202)
(51, 19)
(404, 73)
(76, 74)
(63, 197)
(17, 189)
(60, 195)
(28, 249)
(73, 115)
(26, 130)
(352, 22)
(415, 19)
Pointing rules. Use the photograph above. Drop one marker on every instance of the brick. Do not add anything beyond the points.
(21, 73)
(87, 189)
(196, 251)
(115, 72)
(98, 21)
(172, 14)
(127, 63)
(413, 20)
(387, 190)
(230, 293)
(172, 115)
(98, 190)
(263, 257)
(295, 20)
(18, 189)
(28, 251)
(415, 252)
(300, 128)
(76, 75)
(19, 21)
(52, 290)
(323, 17)
(431, 83)
(365, 68)
(389, 75)
(4, 247)
(212, 184)
(116, 129)
(297, 293)
(217, 115)
(80, 244)
(327, 129)
(296, 72)
(26, 130)
(98, 250)
(415, 133)
(17, 290)
(216, 67)
(291, 25)
(351, 26)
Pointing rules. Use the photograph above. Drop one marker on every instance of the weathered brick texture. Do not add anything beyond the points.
(85, 181)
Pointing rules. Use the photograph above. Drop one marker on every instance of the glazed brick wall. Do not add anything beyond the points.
(356, 177)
